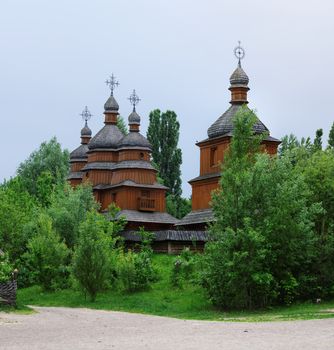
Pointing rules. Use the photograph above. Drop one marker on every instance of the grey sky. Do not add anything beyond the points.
(56, 55)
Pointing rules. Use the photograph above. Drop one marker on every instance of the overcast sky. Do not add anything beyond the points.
(177, 54)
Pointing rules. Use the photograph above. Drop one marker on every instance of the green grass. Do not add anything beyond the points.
(18, 309)
(163, 300)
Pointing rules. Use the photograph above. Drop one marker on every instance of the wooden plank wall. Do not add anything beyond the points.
(201, 193)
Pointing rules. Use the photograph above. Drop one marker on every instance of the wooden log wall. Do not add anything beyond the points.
(134, 155)
(140, 176)
(103, 156)
(212, 155)
(201, 193)
(77, 166)
(127, 198)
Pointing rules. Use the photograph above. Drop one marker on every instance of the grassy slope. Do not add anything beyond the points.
(188, 303)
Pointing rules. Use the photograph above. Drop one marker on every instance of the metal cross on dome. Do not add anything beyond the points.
(112, 83)
(239, 52)
(86, 115)
(134, 99)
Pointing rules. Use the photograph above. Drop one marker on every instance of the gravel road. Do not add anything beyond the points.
(76, 329)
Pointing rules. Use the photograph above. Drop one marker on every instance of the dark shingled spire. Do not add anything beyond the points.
(111, 105)
(134, 138)
(239, 77)
(239, 88)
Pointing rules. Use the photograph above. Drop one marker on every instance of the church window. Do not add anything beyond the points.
(213, 156)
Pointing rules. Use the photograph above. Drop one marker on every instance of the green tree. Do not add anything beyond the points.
(17, 208)
(6, 268)
(317, 143)
(47, 256)
(318, 172)
(68, 209)
(288, 143)
(262, 242)
(331, 137)
(92, 256)
(122, 125)
(48, 159)
(163, 134)
(178, 206)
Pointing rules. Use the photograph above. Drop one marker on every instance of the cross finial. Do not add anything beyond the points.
(112, 83)
(134, 99)
(239, 53)
(86, 115)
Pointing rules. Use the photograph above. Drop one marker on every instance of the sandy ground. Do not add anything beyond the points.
(64, 328)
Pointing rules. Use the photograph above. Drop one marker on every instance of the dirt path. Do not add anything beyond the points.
(76, 329)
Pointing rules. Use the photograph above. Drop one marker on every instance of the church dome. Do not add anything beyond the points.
(135, 139)
(79, 153)
(111, 105)
(134, 118)
(86, 131)
(108, 137)
(224, 124)
(239, 77)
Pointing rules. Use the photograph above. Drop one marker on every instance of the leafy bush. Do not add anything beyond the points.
(46, 257)
(183, 268)
(92, 256)
(68, 209)
(135, 270)
(6, 268)
(17, 208)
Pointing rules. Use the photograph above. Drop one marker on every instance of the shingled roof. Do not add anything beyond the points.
(168, 235)
(125, 164)
(108, 137)
(197, 217)
(224, 124)
(130, 183)
(135, 139)
(79, 154)
(152, 217)
(75, 175)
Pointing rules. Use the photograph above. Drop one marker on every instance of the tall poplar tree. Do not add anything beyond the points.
(331, 137)
(163, 134)
(317, 144)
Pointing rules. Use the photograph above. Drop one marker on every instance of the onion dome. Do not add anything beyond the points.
(111, 105)
(239, 80)
(86, 131)
(239, 77)
(134, 138)
(134, 118)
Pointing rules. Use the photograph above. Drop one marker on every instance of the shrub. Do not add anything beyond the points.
(68, 209)
(92, 256)
(47, 256)
(6, 268)
(183, 268)
(135, 270)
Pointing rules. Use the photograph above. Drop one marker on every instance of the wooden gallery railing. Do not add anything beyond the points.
(146, 204)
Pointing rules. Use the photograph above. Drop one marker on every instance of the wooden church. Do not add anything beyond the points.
(119, 168)
(213, 148)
